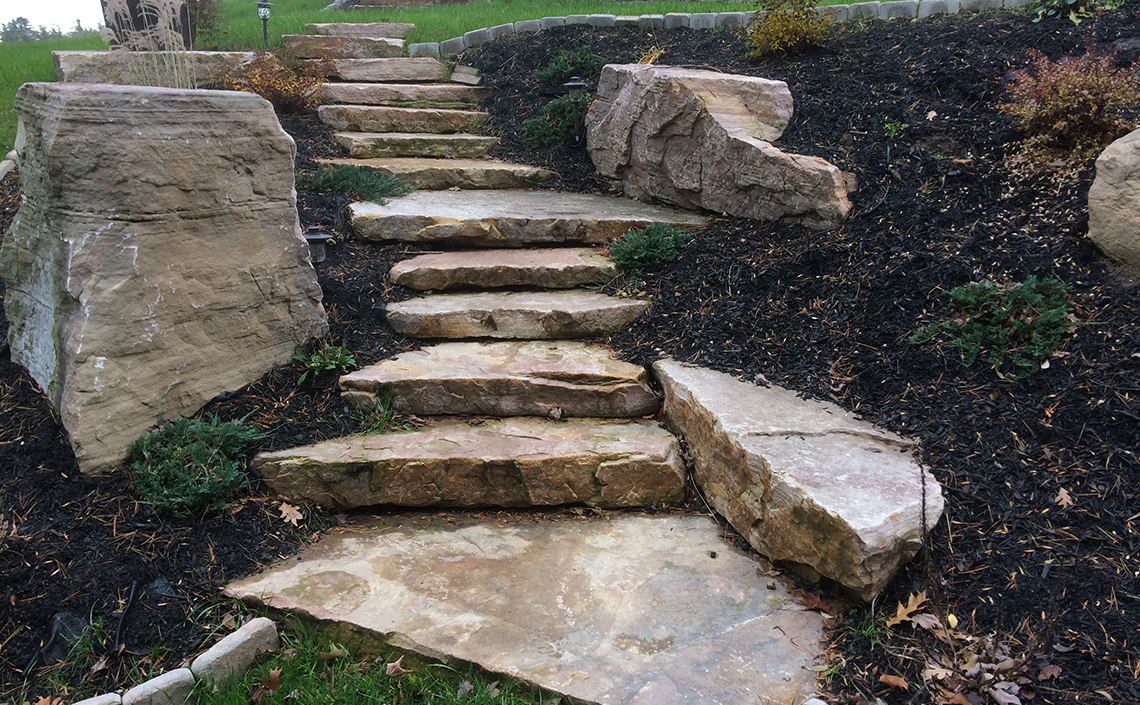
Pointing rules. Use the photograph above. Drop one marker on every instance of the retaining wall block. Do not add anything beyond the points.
(476, 37)
(548, 22)
(652, 21)
(424, 49)
(108, 699)
(1019, 3)
(449, 47)
(863, 11)
(627, 21)
(171, 688)
(234, 654)
(577, 19)
(601, 20)
(953, 7)
(837, 13)
(899, 9)
(528, 26)
(929, 8)
(730, 19)
(702, 20)
(502, 30)
(673, 20)
(981, 5)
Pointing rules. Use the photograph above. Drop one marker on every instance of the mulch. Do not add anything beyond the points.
(827, 314)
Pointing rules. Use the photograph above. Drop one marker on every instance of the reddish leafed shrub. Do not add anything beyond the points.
(290, 85)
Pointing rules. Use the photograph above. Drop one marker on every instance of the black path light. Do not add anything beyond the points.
(263, 12)
(317, 239)
(576, 90)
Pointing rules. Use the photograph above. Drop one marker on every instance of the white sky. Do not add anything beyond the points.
(53, 12)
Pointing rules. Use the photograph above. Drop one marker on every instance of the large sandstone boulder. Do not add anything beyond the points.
(145, 67)
(702, 139)
(803, 481)
(1114, 201)
(157, 259)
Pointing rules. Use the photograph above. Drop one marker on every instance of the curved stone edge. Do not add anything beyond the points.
(229, 658)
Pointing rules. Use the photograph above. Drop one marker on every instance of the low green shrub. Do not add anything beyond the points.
(324, 358)
(555, 125)
(357, 182)
(190, 466)
(1075, 10)
(639, 249)
(568, 63)
(1020, 325)
(786, 28)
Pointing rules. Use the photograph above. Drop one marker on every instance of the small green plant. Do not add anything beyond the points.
(1020, 325)
(379, 417)
(894, 129)
(357, 182)
(324, 358)
(639, 249)
(1076, 10)
(786, 28)
(568, 63)
(555, 125)
(191, 465)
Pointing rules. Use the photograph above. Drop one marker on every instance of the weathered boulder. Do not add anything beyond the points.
(157, 260)
(803, 481)
(701, 139)
(1114, 201)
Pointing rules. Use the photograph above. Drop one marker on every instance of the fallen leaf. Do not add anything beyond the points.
(465, 689)
(394, 669)
(926, 621)
(1063, 498)
(1049, 672)
(902, 614)
(931, 115)
(290, 513)
(936, 672)
(335, 651)
(952, 621)
(894, 681)
(811, 601)
(949, 698)
(100, 665)
(1005, 694)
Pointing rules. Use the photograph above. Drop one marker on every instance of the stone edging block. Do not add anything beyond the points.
(171, 688)
(108, 699)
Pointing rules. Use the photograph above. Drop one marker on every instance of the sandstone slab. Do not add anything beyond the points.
(396, 30)
(158, 238)
(413, 144)
(803, 481)
(317, 46)
(632, 609)
(545, 268)
(523, 378)
(508, 218)
(1114, 201)
(520, 462)
(526, 315)
(440, 174)
(408, 95)
(703, 140)
(395, 70)
(138, 67)
(381, 118)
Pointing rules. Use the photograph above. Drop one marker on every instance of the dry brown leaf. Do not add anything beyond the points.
(395, 670)
(1005, 694)
(926, 620)
(894, 681)
(1063, 498)
(949, 698)
(335, 651)
(936, 672)
(290, 513)
(1050, 671)
(902, 614)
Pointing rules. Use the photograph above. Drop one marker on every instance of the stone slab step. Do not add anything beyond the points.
(644, 610)
(523, 462)
(319, 46)
(516, 378)
(366, 4)
(396, 30)
(414, 144)
(545, 268)
(396, 70)
(439, 174)
(404, 95)
(508, 218)
(382, 118)
(518, 315)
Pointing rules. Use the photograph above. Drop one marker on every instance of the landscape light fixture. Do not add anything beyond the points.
(576, 90)
(263, 12)
(317, 239)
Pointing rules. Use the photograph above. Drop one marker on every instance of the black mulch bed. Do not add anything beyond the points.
(826, 314)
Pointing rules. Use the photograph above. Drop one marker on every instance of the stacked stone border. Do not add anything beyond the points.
(893, 10)
(229, 658)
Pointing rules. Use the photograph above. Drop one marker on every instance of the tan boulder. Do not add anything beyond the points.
(144, 67)
(805, 482)
(1114, 201)
(703, 140)
(157, 260)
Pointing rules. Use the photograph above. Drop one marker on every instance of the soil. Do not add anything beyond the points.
(1028, 575)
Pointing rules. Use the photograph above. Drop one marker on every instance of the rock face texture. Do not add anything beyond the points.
(701, 139)
(157, 260)
(520, 462)
(134, 67)
(804, 482)
(1114, 201)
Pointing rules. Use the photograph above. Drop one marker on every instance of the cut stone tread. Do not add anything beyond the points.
(395, 70)
(545, 268)
(319, 46)
(439, 95)
(522, 462)
(516, 378)
(440, 174)
(413, 144)
(384, 118)
(396, 30)
(523, 315)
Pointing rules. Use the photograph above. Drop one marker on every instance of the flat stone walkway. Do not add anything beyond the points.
(629, 610)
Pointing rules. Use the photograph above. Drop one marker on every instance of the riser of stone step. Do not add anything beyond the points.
(395, 30)
(517, 378)
(318, 46)
(542, 315)
(386, 119)
(403, 95)
(396, 70)
(508, 218)
(499, 463)
(544, 268)
(413, 144)
(440, 174)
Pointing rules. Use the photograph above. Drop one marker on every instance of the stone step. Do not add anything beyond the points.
(519, 315)
(523, 462)
(366, 4)
(396, 30)
(395, 70)
(643, 610)
(413, 144)
(545, 268)
(403, 95)
(439, 174)
(377, 118)
(508, 218)
(516, 378)
(319, 46)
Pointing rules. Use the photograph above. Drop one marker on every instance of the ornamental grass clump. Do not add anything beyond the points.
(357, 182)
(190, 466)
(786, 28)
(1017, 326)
